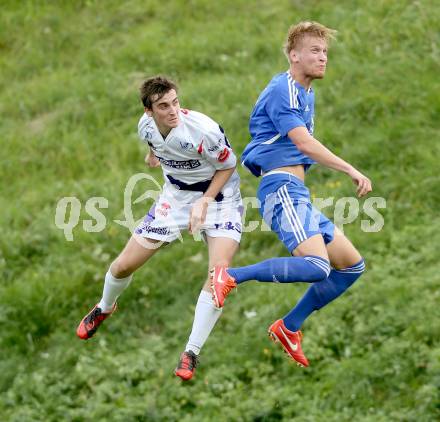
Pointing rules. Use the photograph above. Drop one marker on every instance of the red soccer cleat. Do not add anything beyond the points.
(221, 284)
(290, 340)
(90, 323)
(187, 365)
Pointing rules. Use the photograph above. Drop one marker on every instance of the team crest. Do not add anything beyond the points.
(215, 147)
(186, 145)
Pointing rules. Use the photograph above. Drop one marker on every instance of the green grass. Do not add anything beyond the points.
(69, 106)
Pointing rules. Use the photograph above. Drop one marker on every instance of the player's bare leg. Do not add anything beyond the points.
(341, 251)
(314, 245)
(221, 251)
(137, 251)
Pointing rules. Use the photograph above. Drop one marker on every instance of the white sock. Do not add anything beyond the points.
(205, 317)
(113, 287)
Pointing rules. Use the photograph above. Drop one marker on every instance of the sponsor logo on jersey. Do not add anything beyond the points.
(223, 155)
(186, 164)
(215, 147)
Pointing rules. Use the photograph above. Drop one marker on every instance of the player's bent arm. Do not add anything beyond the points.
(200, 207)
(218, 181)
(311, 147)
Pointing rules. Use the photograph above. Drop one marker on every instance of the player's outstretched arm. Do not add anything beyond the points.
(200, 207)
(311, 147)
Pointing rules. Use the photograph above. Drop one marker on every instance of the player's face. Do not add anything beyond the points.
(165, 111)
(311, 57)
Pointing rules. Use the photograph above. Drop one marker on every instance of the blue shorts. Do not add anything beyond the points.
(287, 210)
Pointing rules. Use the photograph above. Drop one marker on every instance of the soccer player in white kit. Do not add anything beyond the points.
(201, 193)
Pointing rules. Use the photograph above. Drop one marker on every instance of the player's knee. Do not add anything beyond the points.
(362, 266)
(120, 268)
(347, 276)
(357, 268)
(320, 275)
(318, 268)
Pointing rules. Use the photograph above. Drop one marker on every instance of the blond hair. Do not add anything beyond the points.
(300, 30)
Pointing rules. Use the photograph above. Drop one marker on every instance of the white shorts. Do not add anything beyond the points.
(169, 216)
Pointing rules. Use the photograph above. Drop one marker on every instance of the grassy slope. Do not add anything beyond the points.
(69, 111)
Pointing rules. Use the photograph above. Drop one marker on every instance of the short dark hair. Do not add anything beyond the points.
(156, 85)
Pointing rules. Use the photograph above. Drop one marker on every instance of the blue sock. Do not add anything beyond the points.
(320, 294)
(284, 270)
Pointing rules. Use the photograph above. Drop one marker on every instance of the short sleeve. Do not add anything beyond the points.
(146, 129)
(216, 149)
(282, 106)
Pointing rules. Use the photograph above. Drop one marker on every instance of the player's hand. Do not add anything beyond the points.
(151, 160)
(198, 214)
(362, 182)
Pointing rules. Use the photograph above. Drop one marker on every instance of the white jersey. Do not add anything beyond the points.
(193, 151)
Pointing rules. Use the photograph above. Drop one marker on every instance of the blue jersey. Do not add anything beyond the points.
(282, 106)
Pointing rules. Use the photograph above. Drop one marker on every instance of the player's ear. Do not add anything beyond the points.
(293, 56)
(148, 111)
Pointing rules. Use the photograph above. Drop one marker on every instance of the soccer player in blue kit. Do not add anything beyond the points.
(281, 151)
